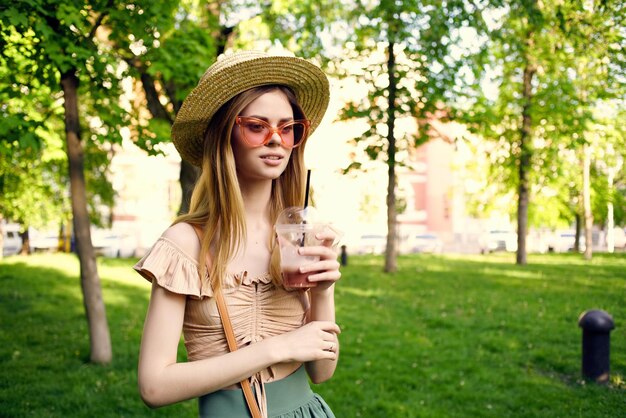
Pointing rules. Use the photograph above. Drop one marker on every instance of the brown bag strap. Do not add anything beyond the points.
(253, 406)
(232, 345)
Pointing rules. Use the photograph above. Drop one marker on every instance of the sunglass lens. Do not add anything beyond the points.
(254, 131)
(298, 132)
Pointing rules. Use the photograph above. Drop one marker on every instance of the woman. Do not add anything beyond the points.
(245, 125)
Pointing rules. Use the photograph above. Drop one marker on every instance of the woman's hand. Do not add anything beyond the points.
(316, 340)
(324, 272)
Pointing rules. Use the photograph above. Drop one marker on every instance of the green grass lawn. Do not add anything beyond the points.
(446, 336)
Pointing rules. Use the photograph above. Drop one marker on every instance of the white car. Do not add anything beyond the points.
(11, 239)
(498, 240)
(424, 243)
(370, 244)
(563, 241)
(44, 241)
(619, 238)
(114, 244)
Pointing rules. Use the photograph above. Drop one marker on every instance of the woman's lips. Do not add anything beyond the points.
(272, 159)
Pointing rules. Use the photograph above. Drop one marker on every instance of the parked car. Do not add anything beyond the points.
(619, 238)
(498, 240)
(11, 239)
(424, 243)
(113, 244)
(538, 241)
(370, 244)
(563, 241)
(43, 241)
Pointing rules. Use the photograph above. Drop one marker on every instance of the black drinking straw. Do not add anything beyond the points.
(306, 201)
(306, 192)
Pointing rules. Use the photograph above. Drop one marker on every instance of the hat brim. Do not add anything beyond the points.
(240, 72)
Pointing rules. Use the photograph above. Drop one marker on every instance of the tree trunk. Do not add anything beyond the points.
(587, 200)
(577, 233)
(188, 173)
(25, 241)
(188, 176)
(156, 108)
(610, 215)
(524, 163)
(100, 339)
(391, 250)
(1, 238)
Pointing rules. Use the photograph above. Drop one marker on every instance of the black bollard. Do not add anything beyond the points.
(344, 256)
(597, 326)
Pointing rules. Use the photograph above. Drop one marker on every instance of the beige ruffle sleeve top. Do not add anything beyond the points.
(258, 309)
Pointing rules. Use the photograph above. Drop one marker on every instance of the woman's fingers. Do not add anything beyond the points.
(329, 236)
(322, 265)
(316, 340)
(327, 239)
(318, 250)
(329, 328)
(325, 276)
(326, 269)
(329, 342)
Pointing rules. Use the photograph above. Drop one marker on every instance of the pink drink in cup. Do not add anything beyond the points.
(296, 228)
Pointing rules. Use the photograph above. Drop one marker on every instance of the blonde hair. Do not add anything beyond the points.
(216, 202)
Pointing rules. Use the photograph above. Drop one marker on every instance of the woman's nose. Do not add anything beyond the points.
(275, 139)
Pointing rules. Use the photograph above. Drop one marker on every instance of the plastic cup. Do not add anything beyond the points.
(295, 228)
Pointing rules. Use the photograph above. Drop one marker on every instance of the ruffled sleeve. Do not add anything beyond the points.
(173, 270)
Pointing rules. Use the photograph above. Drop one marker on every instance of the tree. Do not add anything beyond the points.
(31, 175)
(596, 38)
(31, 153)
(166, 52)
(533, 52)
(401, 50)
(169, 60)
(79, 43)
(608, 175)
(59, 42)
(515, 52)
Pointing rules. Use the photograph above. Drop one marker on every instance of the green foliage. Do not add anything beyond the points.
(168, 50)
(33, 191)
(134, 30)
(166, 44)
(151, 136)
(608, 136)
(425, 68)
(100, 193)
(32, 161)
(577, 51)
(36, 47)
(183, 56)
(41, 40)
(309, 28)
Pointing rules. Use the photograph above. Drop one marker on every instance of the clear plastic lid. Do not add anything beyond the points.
(297, 216)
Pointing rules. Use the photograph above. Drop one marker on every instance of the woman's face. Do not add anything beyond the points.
(266, 162)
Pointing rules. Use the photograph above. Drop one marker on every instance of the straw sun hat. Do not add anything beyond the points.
(235, 73)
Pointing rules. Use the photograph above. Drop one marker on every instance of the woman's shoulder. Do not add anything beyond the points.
(184, 237)
(173, 262)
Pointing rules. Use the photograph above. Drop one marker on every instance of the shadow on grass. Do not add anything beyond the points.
(44, 348)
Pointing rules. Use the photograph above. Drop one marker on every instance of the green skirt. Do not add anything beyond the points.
(290, 397)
